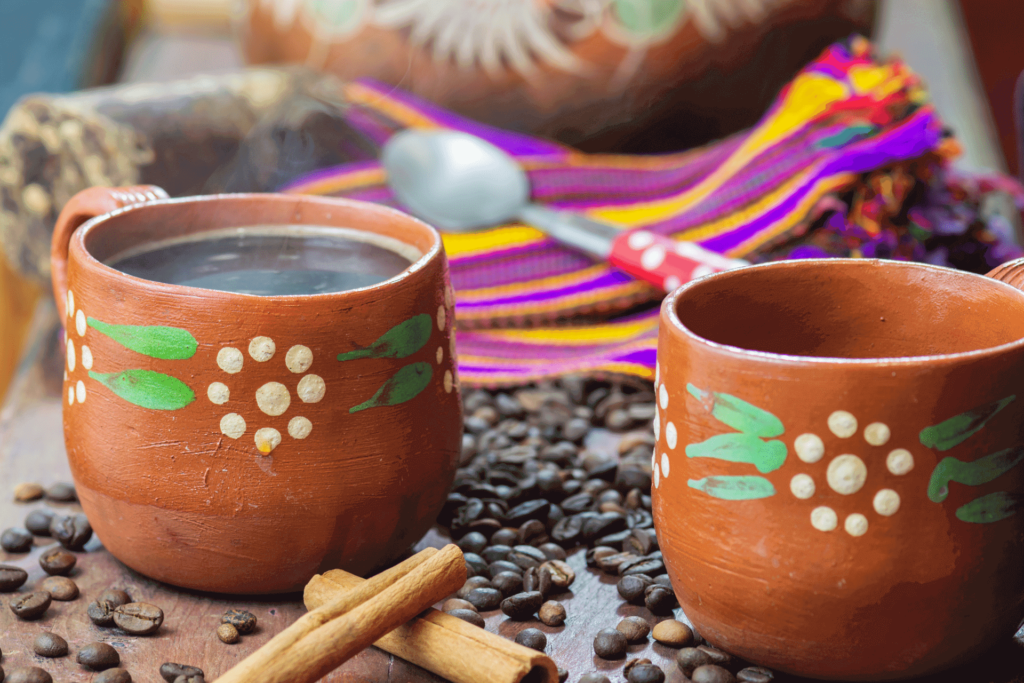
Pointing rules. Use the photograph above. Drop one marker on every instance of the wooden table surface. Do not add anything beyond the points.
(32, 449)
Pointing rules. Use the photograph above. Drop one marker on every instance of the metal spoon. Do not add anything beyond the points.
(461, 183)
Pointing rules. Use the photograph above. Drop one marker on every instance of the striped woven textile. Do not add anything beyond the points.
(831, 169)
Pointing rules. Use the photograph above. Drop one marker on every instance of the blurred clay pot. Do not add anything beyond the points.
(240, 444)
(838, 472)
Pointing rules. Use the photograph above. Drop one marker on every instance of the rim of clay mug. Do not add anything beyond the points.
(428, 255)
(669, 311)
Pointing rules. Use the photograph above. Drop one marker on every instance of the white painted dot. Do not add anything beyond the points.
(809, 447)
(218, 393)
(657, 425)
(877, 433)
(311, 389)
(663, 397)
(670, 435)
(846, 474)
(80, 391)
(842, 424)
(298, 359)
(672, 283)
(273, 398)
(449, 296)
(65, 374)
(640, 239)
(701, 271)
(653, 257)
(654, 458)
(900, 461)
(71, 355)
(824, 518)
(451, 346)
(232, 425)
(71, 303)
(71, 396)
(229, 360)
(262, 349)
(886, 502)
(440, 354)
(657, 476)
(267, 439)
(299, 427)
(664, 464)
(441, 317)
(802, 486)
(80, 322)
(657, 372)
(449, 381)
(856, 524)
(86, 357)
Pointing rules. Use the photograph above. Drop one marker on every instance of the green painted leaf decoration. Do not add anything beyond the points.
(990, 508)
(155, 341)
(403, 386)
(959, 428)
(401, 341)
(734, 488)
(767, 456)
(147, 389)
(981, 471)
(737, 413)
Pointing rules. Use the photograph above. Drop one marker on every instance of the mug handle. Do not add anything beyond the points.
(1011, 272)
(85, 206)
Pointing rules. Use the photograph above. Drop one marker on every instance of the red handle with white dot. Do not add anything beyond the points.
(665, 262)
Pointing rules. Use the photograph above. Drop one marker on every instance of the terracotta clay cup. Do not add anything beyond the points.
(839, 465)
(236, 443)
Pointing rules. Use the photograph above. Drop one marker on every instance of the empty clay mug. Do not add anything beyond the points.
(238, 443)
(838, 469)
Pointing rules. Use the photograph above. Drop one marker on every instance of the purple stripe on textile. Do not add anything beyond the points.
(495, 270)
(610, 278)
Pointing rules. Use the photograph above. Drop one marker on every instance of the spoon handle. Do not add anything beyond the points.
(664, 262)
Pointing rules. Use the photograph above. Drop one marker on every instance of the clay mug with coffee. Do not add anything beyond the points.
(839, 467)
(258, 387)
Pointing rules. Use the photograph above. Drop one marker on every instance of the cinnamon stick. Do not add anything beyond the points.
(443, 644)
(324, 638)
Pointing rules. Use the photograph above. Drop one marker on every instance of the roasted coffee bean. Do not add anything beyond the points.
(485, 599)
(710, 673)
(522, 606)
(533, 532)
(562, 575)
(642, 519)
(98, 656)
(526, 556)
(538, 579)
(568, 531)
(509, 406)
(633, 499)
(49, 644)
(673, 633)
(643, 565)
(243, 620)
(509, 583)
(531, 509)
(28, 491)
(639, 542)
(29, 674)
(594, 677)
(457, 603)
(30, 606)
(472, 583)
(73, 532)
(57, 562)
(170, 671)
(496, 552)
(16, 540)
(101, 612)
(11, 578)
(500, 566)
(598, 553)
(755, 674)
(609, 564)
(138, 618)
(633, 477)
(190, 679)
(505, 537)
(476, 565)
(553, 551)
(62, 492)
(115, 675)
(634, 628)
(663, 580)
(552, 613)
(532, 638)
(473, 542)
(549, 482)
(614, 540)
(115, 596)
(609, 644)
(716, 656)
(618, 421)
(563, 675)
(603, 524)
(469, 615)
(633, 663)
(59, 587)
(228, 634)
(575, 429)
(581, 502)
(38, 522)
(659, 599)
(645, 673)
(689, 658)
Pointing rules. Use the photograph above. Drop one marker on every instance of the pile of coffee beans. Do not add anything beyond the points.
(558, 468)
(235, 623)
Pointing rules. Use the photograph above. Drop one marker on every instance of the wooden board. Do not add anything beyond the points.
(32, 449)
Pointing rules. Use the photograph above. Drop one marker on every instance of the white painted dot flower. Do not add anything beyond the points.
(77, 358)
(847, 473)
(272, 398)
(660, 467)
